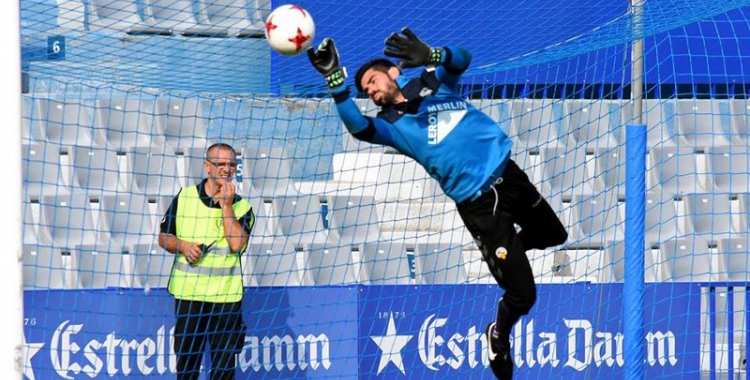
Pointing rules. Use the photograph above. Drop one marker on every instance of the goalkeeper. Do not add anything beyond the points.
(426, 119)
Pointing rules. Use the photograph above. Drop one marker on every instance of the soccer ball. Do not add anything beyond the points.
(290, 29)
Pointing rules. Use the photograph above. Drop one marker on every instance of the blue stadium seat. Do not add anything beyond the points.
(234, 17)
(598, 218)
(385, 263)
(183, 120)
(615, 252)
(609, 170)
(353, 220)
(331, 264)
(660, 120)
(95, 169)
(43, 267)
(152, 265)
(739, 113)
(729, 168)
(675, 170)
(176, 16)
(595, 123)
(127, 220)
(41, 168)
(269, 171)
(709, 215)
(440, 263)
(537, 123)
(300, 219)
(565, 171)
(154, 170)
(120, 16)
(102, 266)
(126, 123)
(67, 220)
(735, 256)
(700, 123)
(661, 223)
(688, 259)
(65, 121)
(272, 263)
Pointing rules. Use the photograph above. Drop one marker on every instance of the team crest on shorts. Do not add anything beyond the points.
(501, 253)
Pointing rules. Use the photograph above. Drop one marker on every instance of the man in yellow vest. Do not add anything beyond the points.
(207, 228)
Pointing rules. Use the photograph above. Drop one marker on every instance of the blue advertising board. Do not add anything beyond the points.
(365, 332)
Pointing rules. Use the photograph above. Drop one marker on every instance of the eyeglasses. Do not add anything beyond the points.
(223, 165)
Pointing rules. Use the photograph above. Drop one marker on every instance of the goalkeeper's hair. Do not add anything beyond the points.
(379, 64)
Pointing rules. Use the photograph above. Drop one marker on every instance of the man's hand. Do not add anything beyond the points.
(411, 51)
(326, 61)
(191, 251)
(225, 195)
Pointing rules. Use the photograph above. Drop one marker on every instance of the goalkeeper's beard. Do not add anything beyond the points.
(387, 97)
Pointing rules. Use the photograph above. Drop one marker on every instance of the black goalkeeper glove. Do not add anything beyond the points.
(326, 61)
(411, 50)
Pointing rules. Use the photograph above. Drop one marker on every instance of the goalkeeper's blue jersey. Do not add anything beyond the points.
(457, 144)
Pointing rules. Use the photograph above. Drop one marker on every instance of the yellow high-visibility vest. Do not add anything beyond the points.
(217, 277)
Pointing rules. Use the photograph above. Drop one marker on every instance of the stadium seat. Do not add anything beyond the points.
(594, 123)
(598, 219)
(353, 220)
(331, 264)
(273, 263)
(615, 252)
(565, 172)
(120, 16)
(31, 133)
(67, 220)
(735, 256)
(43, 267)
(709, 215)
(300, 218)
(30, 220)
(743, 217)
(385, 263)
(126, 123)
(609, 170)
(440, 263)
(95, 169)
(661, 222)
(688, 259)
(184, 121)
(699, 123)
(589, 265)
(659, 118)
(65, 121)
(269, 170)
(102, 266)
(126, 219)
(739, 111)
(536, 123)
(729, 168)
(675, 170)
(41, 170)
(234, 17)
(152, 265)
(154, 171)
(175, 16)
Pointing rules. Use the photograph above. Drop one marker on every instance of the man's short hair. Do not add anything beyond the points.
(379, 64)
(216, 146)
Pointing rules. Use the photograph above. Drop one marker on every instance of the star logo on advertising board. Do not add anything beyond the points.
(390, 346)
(29, 350)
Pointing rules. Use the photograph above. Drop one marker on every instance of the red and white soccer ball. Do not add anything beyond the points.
(290, 29)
